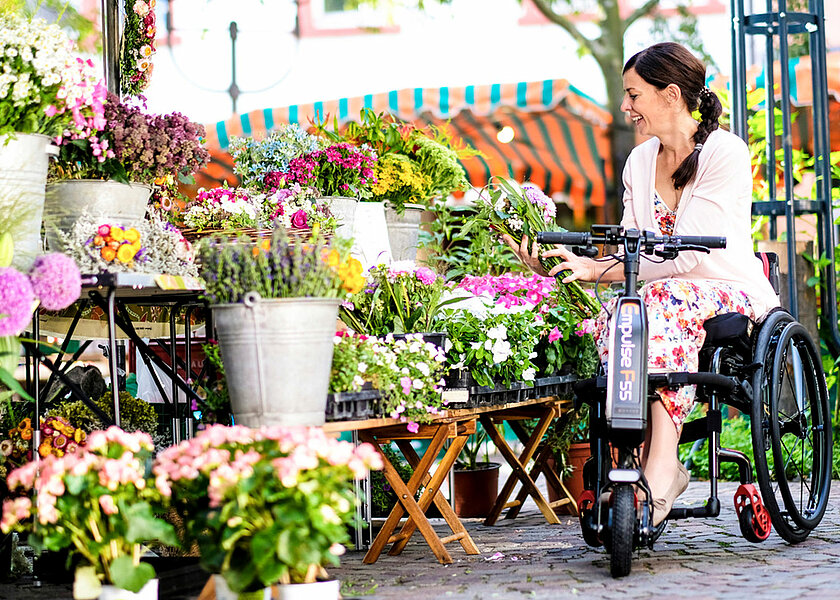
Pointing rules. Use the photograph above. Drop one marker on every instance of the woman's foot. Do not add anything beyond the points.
(662, 505)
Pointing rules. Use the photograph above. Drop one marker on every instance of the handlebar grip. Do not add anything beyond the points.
(570, 238)
(709, 241)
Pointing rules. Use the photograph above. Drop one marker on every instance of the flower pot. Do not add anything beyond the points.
(320, 590)
(344, 210)
(476, 490)
(107, 201)
(370, 234)
(148, 592)
(578, 453)
(223, 592)
(277, 356)
(404, 231)
(24, 159)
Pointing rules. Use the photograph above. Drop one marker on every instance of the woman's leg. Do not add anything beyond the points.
(660, 465)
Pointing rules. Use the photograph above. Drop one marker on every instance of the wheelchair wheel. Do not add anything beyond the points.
(791, 428)
(622, 531)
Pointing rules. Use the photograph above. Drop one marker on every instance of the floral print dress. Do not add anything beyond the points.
(677, 309)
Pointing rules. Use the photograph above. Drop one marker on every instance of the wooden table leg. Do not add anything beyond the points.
(405, 496)
(517, 464)
(433, 491)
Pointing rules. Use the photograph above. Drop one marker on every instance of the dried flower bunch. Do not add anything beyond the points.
(138, 45)
(158, 247)
(44, 88)
(133, 146)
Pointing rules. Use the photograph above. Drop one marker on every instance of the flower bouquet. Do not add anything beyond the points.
(99, 503)
(524, 210)
(223, 208)
(408, 373)
(265, 506)
(138, 45)
(338, 170)
(400, 298)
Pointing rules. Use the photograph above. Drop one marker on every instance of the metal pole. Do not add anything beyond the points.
(111, 44)
(233, 90)
(739, 72)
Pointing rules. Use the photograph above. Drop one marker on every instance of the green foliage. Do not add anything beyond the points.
(135, 414)
(454, 252)
(735, 434)
(382, 496)
(216, 404)
(572, 427)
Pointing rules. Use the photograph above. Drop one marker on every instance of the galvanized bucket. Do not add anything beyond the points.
(404, 231)
(109, 202)
(277, 356)
(344, 210)
(24, 159)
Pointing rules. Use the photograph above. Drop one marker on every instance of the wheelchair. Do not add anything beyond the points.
(770, 371)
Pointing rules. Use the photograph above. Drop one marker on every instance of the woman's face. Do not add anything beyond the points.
(646, 105)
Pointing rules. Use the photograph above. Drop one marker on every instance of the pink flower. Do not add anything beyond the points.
(405, 382)
(555, 335)
(109, 507)
(413, 427)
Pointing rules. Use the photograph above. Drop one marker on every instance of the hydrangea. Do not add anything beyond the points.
(17, 301)
(55, 280)
(254, 160)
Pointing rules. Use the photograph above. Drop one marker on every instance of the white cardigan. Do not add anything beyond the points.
(716, 202)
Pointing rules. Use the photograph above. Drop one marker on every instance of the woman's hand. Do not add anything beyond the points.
(530, 257)
(580, 268)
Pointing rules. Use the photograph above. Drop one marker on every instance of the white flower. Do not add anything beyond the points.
(515, 223)
(418, 384)
(141, 8)
(528, 374)
(499, 332)
(474, 346)
(447, 345)
(362, 367)
(488, 344)
(501, 351)
(423, 368)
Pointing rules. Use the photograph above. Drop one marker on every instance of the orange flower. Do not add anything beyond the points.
(45, 449)
(26, 434)
(108, 253)
(25, 423)
(333, 258)
(126, 253)
(98, 240)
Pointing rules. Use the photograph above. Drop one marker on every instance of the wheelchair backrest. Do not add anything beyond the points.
(770, 260)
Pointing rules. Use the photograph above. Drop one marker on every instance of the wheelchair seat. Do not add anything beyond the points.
(728, 329)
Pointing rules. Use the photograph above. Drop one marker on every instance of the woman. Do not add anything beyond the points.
(689, 178)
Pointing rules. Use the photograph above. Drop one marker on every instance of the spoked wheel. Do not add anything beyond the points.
(622, 531)
(791, 428)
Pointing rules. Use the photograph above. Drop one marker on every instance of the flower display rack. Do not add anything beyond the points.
(352, 406)
(559, 386)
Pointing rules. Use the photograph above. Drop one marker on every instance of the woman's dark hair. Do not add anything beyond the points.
(663, 64)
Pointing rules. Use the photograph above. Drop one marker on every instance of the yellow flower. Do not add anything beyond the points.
(45, 449)
(79, 436)
(132, 235)
(333, 258)
(117, 233)
(126, 253)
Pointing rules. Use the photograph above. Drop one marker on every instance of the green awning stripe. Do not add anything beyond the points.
(444, 101)
(523, 137)
(268, 116)
(491, 141)
(547, 92)
(293, 114)
(468, 140)
(342, 109)
(596, 156)
(246, 124)
(538, 120)
(522, 94)
(393, 101)
(469, 95)
(567, 135)
(418, 99)
(221, 131)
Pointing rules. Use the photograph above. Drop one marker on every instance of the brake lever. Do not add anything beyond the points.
(590, 251)
(670, 251)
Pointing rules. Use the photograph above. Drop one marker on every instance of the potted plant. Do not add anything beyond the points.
(110, 172)
(275, 308)
(45, 92)
(268, 506)
(476, 483)
(98, 502)
(568, 438)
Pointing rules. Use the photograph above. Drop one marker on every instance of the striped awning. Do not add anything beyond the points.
(561, 138)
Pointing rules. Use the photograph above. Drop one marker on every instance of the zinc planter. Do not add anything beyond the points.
(320, 590)
(277, 356)
(404, 231)
(344, 210)
(148, 592)
(370, 232)
(24, 159)
(223, 592)
(109, 202)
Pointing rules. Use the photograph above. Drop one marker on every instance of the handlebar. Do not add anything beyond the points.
(601, 234)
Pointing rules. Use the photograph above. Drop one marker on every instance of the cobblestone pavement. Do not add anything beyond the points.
(527, 558)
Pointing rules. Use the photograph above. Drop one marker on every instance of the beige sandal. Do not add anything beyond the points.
(662, 506)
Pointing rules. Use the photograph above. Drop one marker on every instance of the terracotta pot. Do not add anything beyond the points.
(476, 490)
(578, 453)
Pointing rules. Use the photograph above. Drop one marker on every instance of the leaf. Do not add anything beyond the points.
(10, 382)
(129, 577)
(144, 526)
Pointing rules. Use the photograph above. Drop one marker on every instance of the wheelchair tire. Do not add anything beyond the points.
(622, 531)
(791, 428)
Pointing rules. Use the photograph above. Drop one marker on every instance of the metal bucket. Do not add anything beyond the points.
(24, 159)
(109, 202)
(404, 231)
(344, 210)
(277, 356)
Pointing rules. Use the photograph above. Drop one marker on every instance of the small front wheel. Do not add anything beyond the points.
(622, 531)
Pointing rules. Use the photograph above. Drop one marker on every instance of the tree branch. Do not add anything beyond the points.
(544, 6)
(640, 12)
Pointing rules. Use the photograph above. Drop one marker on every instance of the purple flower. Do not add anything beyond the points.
(16, 301)
(55, 280)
